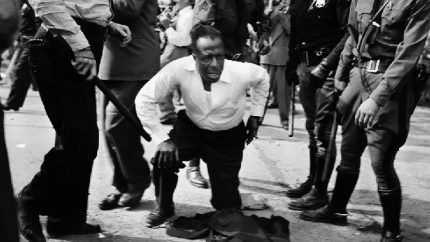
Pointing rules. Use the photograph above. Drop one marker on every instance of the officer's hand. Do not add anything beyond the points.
(252, 128)
(339, 85)
(85, 64)
(120, 31)
(167, 155)
(322, 70)
(366, 113)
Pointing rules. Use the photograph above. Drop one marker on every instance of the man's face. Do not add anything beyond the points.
(209, 58)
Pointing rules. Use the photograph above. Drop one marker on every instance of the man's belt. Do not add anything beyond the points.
(374, 66)
(314, 57)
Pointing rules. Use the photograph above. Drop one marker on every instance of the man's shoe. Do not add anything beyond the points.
(130, 199)
(111, 201)
(29, 224)
(272, 105)
(7, 108)
(195, 177)
(325, 215)
(312, 200)
(156, 218)
(300, 191)
(62, 229)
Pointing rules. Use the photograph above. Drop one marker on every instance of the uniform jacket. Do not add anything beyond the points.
(400, 39)
(313, 27)
(140, 59)
(279, 40)
(9, 21)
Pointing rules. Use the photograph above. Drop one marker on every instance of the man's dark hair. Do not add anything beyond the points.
(203, 30)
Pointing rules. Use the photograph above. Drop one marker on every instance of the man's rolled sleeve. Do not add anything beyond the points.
(260, 90)
(55, 17)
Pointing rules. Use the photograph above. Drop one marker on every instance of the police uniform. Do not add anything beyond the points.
(380, 60)
(318, 37)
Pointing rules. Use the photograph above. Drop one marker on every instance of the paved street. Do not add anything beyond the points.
(271, 164)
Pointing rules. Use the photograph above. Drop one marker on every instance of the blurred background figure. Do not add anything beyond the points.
(125, 70)
(22, 78)
(276, 60)
(176, 23)
(9, 19)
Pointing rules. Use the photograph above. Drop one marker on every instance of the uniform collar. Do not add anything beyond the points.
(225, 77)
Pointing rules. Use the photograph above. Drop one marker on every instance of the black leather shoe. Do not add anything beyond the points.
(111, 201)
(195, 177)
(7, 108)
(325, 215)
(312, 200)
(130, 199)
(300, 191)
(29, 224)
(390, 237)
(62, 229)
(156, 218)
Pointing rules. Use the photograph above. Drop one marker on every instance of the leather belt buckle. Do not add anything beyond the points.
(372, 66)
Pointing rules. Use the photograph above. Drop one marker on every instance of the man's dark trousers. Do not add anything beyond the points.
(60, 189)
(8, 221)
(131, 170)
(221, 150)
(318, 103)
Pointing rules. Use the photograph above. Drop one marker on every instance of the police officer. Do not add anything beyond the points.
(64, 58)
(9, 19)
(318, 37)
(378, 101)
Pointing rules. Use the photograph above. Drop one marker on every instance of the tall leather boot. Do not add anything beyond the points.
(335, 211)
(391, 206)
(317, 197)
(306, 186)
(165, 182)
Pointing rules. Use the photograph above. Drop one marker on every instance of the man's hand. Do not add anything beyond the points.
(165, 21)
(366, 113)
(252, 128)
(85, 64)
(120, 31)
(339, 85)
(167, 155)
(264, 47)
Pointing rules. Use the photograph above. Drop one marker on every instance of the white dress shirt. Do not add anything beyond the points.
(222, 108)
(181, 36)
(57, 17)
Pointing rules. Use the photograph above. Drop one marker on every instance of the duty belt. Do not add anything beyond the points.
(374, 66)
(314, 57)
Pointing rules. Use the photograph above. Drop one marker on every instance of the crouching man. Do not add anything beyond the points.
(211, 126)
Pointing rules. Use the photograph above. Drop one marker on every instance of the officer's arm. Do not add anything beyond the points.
(9, 16)
(407, 53)
(342, 10)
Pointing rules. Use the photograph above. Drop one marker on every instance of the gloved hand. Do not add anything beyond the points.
(252, 128)
(167, 155)
(320, 74)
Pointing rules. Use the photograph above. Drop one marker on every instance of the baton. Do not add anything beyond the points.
(331, 147)
(122, 109)
(292, 111)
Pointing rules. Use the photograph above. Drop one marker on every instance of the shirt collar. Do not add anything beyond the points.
(225, 77)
